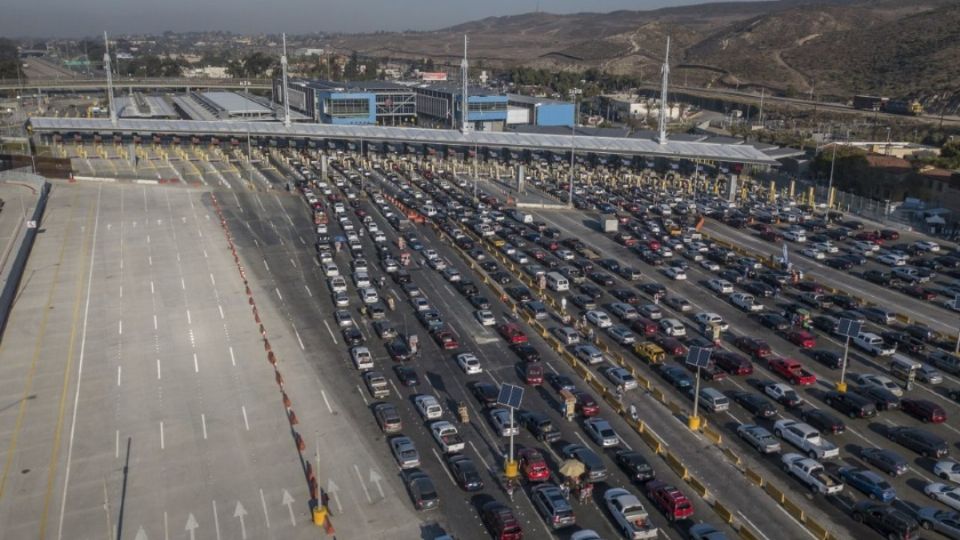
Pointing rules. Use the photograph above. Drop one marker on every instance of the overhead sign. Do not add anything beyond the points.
(849, 328)
(698, 356)
(510, 395)
(433, 75)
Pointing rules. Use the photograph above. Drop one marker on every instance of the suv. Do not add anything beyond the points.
(920, 441)
(852, 404)
(886, 520)
(501, 521)
(553, 506)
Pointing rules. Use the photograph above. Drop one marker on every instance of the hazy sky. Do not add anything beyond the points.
(71, 18)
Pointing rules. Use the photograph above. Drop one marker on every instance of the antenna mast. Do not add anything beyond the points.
(665, 70)
(106, 67)
(286, 94)
(464, 80)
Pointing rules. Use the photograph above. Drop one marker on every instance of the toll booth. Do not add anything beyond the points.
(568, 404)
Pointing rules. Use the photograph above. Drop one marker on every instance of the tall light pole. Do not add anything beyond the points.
(575, 93)
(848, 328)
(700, 358)
(833, 165)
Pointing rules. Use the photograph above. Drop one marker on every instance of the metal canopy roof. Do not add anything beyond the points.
(740, 153)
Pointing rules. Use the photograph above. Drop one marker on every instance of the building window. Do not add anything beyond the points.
(341, 108)
(488, 106)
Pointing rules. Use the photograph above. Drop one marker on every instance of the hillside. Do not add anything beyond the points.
(834, 47)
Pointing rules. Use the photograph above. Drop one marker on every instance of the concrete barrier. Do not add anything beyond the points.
(903, 318)
(753, 476)
(794, 510)
(614, 402)
(816, 529)
(651, 441)
(722, 511)
(714, 436)
(698, 486)
(659, 395)
(676, 465)
(774, 493)
(598, 386)
(747, 533)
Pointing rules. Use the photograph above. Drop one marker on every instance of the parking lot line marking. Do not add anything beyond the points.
(233, 359)
(161, 435)
(203, 422)
(752, 524)
(246, 423)
(196, 365)
(216, 520)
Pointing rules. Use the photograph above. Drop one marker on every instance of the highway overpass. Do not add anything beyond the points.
(97, 84)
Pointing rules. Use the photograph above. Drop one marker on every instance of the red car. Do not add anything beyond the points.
(802, 338)
(889, 234)
(670, 345)
(919, 292)
(645, 326)
(533, 466)
(512, 333)
(532, 373)
(732, 363)
(793, 371)
(500, 521)
(755, 347)
(445, 339)
(670, 500)
(586, 405)
(924, 410)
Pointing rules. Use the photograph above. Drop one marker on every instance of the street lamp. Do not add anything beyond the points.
(575, 94)
(848, 328)
(699, 357)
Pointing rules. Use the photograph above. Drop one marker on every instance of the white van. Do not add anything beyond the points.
(795, 235)
(873, 344)
(557, 282)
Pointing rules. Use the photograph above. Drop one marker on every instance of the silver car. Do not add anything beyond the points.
(759, 438)
(405, 452)
(601, 432)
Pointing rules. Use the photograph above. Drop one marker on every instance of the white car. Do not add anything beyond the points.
(720, 286)
(601, 432)
(599, 318)
(622, 335)
(369, 295)
(708, 319)
(813, 253)
(322, 228)
(891, 260)
(925, 245)
(484, 317)
(948, 470)
(420, 303)
(361, 279)
(338, 284)
(948, 495)
(710, 265)
(565, 255)
(674, 273)
(673, 327)
(428, 407)
(501, 420)
(341, 299)
(746, 302)
(362, 359)
(884, 382)
(430, 254)
(379, 238)
(469, 363)
(622, 378)
(826, 247)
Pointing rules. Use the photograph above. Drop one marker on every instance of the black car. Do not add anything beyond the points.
(539, 425)
(352, 336)
(843, 301)
(489, 266)
(823, 421)
(758, 288)
(610, 264)
(919, 440)
(520, 293)
(601, 278)
(839, 263)
(560, 382)
(479, 302)
(851, 404)
(584, 302)
(886, 460)
(407, 375)
(626, 296)
(884, 399)
(888, 521)
(592, 291)
(467, 288)
(676, 376)
(635, 465)
(831, 359)
(501, 277)
(825, 323)
(774, 321)
(465, 472)
(653, 289)
(526, 352)
(755, 404)
(486, 393)
(399, 350)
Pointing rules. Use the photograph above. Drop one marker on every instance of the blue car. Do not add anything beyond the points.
(869, 482)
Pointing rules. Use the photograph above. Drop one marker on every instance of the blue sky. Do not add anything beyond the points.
(70, 18)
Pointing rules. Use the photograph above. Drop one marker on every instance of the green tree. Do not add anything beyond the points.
(9, 60)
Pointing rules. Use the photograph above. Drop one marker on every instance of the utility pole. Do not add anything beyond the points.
(106, 67)
(575, 92)
(286, 94)
(665, 71)
(464, 80)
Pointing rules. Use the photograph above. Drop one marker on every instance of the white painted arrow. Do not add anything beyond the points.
(332, 489)
(288, 501)
(240, 512)
(376, 478)
(141, 534)
(191, 526)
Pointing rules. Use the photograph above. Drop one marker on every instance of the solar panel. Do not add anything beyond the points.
(698, 356)
(510, 395)
(849, 328)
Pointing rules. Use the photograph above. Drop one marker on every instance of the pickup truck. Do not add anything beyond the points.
(783, 394)
(447, 436)
(811, 472)
(806, 438)
(791, 370)
(628, 512)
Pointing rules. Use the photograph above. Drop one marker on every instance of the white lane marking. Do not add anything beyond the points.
(233, 359)
(799, 525)
(148, 238)
(121, 291)
(280, 296)
(204, 254)
(83, 345)
(395, 389)
(189, 320)
(309, 292)
(154, 322)
(293, 262)
(479, 455)
(263, 503)
(219, 307)
(216, 520)
(158, 369)
(659, 438)
(855, 432)
(120, 327)
(326, 401)
(196, 365)
(246, 423)
(265, 265)
(161, 435)
(752, 524)
(203, 422)
(444, 467)
(119, 371)
(300, 341)
(152, 290)
(183, 284)
(213, 281)
(584, 441)
(333, 337)
(166, 527)
(150, 260)
(116, 451)
(360, 390)
(366, 492)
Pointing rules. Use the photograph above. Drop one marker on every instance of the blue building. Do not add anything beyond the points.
(543, 111)
(353, 103)
(439, 105)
